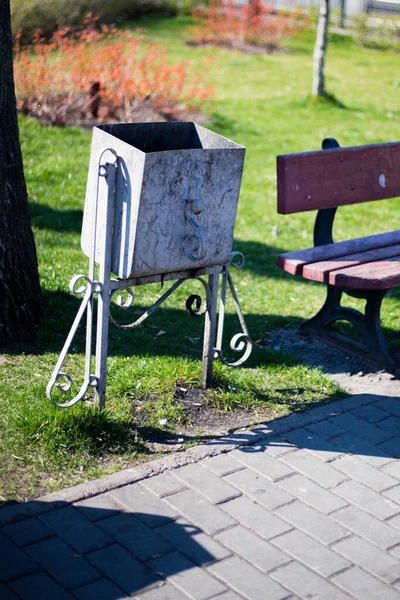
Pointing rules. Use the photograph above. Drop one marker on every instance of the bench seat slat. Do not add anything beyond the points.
(323, 271)
(294, 262)
(380, 275)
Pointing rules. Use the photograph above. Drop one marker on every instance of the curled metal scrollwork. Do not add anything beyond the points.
(236, 260)
(60, 379)
(129, 301)
(194, 245)
(195, 301)
(240, 342)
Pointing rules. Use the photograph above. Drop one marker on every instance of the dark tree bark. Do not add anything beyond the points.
(20, 298)
(342, 17)
(318, 88)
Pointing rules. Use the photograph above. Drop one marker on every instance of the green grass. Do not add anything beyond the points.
(262, 102)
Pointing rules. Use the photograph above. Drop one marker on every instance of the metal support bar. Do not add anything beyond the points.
(209, 329)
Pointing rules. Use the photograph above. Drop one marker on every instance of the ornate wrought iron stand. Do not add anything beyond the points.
(104, 287)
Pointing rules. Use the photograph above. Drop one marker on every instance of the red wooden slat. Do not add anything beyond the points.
(328, 178)
(381, 275)
(294, 262)
(321, 271)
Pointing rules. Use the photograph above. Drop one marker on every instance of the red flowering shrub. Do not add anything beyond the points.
(223, 23)
(101, 72)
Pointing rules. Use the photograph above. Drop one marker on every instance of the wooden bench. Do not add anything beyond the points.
(363, 268)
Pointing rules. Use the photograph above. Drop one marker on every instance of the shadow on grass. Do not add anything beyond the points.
(169, 331)
(46, 217)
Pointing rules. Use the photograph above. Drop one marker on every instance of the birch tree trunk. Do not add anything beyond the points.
(318, 88)
(20, 298)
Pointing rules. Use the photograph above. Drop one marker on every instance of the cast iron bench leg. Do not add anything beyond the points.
(373, 348)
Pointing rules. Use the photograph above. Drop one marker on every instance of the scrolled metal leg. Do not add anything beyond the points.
(89, 288)
(241, 342)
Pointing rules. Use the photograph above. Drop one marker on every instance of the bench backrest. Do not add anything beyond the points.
(334, 177)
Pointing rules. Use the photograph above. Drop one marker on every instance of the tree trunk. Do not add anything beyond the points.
(318, 88)
(20, 298)
(342, 18)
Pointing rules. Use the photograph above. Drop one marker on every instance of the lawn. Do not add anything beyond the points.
(262, 102)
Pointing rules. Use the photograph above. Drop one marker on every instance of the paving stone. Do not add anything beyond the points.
(369, 557)
(135, 536)
(76, 529)
(230, 595)
(39, 586)
(62, 563)
(396, 552)
(393, 469)
(360, 495)
(394, 521)
(252, 548)
(312, 494)
(207, 483)
(247, 580)
(370, 413)
(164, 485)
(392, 447)
(276, 446)
(364, 586)
(309, 520)
(258, 487)
(389, 405)
(393, 494)
(325, 429)
(361, 428)
(311, 553)
(13, 561)
(200, 512)
(223, 464)
(379, 533)
(27, 531)
(311, 467)
(255, 517)
(272, 468)
(123, 569)
(167, 591)
(17, 512)
(193, 542)
(150, 509)
(306, 584)
(6, 593)
(102, 589)
(187, 577)
(351, 444)
(318, 446)
(391, 424)
(99, 507)
(365, 473)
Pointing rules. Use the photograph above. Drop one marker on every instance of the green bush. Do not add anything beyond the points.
(380, 33)
(29, 15)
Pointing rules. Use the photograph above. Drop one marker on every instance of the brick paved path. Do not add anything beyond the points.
(303, 507)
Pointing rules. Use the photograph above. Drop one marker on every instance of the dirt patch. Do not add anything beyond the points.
(242, 47)
(203, 422)
(77, 115)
